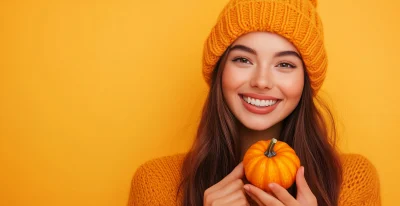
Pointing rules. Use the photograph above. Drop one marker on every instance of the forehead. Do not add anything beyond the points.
(265, 42)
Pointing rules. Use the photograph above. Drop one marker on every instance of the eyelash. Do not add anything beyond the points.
(288, 65)
(243, 60)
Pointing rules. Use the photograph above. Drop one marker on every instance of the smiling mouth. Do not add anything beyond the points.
(259, 102)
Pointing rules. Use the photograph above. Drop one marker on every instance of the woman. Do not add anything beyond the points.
(265, 62)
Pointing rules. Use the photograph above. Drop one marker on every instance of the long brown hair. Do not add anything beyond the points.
(216, 148)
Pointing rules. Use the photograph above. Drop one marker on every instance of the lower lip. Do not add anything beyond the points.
(259, 110)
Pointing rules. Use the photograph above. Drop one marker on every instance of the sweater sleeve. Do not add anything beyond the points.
(360, 185)
(140, 191)
(155, 182)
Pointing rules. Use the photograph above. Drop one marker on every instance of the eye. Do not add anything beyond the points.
(242, 60)
(286, 65)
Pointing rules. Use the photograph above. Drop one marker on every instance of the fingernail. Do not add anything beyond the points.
(302, 170)
(247, 188)
(271, 185)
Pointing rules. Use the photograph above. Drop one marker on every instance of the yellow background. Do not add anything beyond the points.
(89, 90)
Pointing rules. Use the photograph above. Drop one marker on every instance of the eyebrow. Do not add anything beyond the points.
(278, 54)
(243, 48)
(288, 53)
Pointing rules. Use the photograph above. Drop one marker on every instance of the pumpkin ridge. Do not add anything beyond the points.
(261, 179)
(265, 144)
(250, 156)
(254, 178)
(285, 149)
(279, 173)
(250, 168)
(289, 169)
(272, 174)
(257, 151)
(257, 147)
(279, 145)
(291, 158)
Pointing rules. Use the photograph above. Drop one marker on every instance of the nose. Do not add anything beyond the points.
(261, 78)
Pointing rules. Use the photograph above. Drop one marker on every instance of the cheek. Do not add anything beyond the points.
(227, 85)
(292, 86)
(232, 78)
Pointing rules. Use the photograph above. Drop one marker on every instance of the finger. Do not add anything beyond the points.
(259, 203)
(304, 193)
(264, 197)
(282, 194)
(237, 173)
(235, 185)
(235, 197)
(301, 183)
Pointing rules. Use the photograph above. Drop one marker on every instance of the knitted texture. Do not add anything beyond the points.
(156, 182)
(296, 20)
(360, 183)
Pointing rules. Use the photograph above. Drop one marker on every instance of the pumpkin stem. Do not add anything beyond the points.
(270, 152)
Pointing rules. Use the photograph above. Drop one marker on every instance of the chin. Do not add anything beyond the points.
(257, 126)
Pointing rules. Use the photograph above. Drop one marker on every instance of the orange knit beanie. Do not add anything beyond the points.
(296, 20)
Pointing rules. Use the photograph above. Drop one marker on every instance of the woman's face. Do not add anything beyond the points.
(263, 79)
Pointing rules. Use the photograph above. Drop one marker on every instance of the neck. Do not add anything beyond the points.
(249, 137)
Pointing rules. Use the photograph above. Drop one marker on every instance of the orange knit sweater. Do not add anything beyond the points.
(156, 182)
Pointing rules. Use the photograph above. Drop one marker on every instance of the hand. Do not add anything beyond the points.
(283, 197)
(228, 191)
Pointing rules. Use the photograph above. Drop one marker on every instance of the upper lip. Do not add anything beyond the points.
(259, 96)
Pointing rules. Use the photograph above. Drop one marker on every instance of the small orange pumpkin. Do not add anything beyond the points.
(270, 161)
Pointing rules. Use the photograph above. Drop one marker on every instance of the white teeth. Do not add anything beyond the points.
(258, 102)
